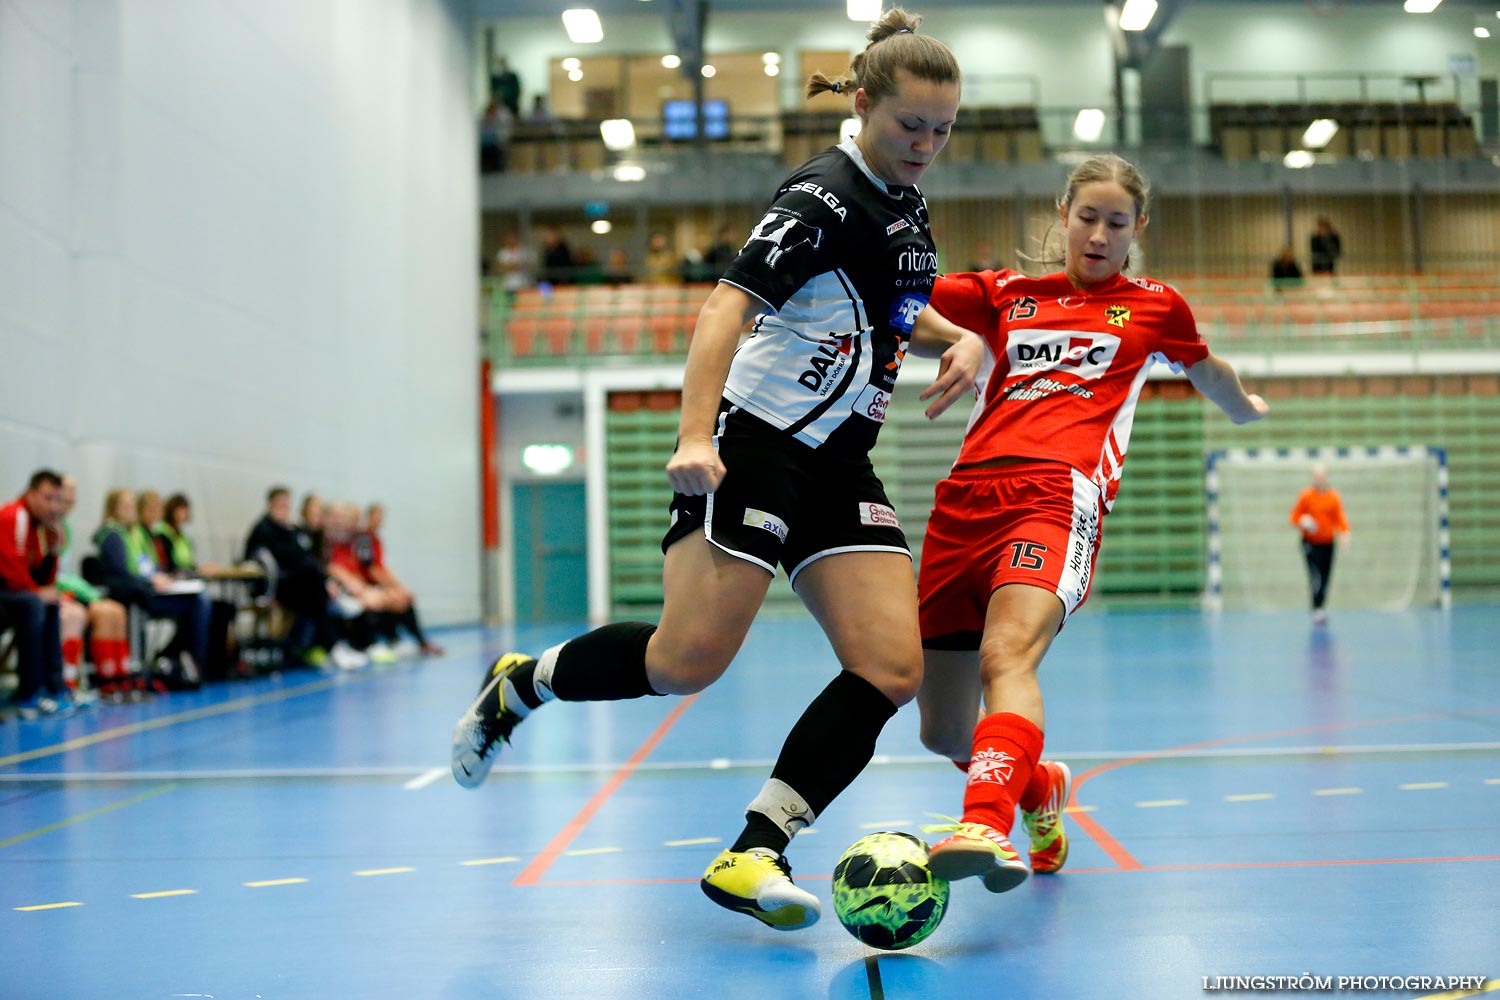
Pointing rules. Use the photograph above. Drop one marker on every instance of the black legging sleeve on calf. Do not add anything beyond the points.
(607, 664)
(1319, 570)
(834, 740)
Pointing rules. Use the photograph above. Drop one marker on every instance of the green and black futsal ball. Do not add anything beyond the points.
(885, 894)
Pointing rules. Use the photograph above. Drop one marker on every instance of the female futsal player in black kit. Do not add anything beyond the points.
(772, 466)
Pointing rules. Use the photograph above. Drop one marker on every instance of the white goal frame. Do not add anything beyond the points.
(1213, 597)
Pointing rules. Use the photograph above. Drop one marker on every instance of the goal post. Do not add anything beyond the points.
(1396, 501)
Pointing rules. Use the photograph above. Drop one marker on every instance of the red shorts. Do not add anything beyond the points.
(1036, 523)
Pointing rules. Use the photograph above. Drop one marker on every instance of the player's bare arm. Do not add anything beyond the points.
(960, 353)
(1217, 380)
(694, 468)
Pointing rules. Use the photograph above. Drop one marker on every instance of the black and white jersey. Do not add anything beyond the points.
(847, 263)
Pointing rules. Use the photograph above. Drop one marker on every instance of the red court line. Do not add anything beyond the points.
(1124, 858)
(1070, 872)
(539, 865)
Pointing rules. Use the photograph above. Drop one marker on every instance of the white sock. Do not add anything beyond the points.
(541, 675)
(780, 803)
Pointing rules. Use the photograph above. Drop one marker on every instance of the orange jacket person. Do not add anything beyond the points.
(1319, 514)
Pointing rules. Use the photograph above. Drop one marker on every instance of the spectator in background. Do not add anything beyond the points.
(1326, 247)
(985, 259)
(131, 571)
(180, 555)
(302, 586)
(505, 87)
(1319, 515)
(557, 257)
(517, 265)
(586, 268)
(85, 610)
(1285, 271)
(540, 113)
(29, 544)
(312, 527)
(371, 552)
(661, 262)
(373, 621)
(718, 257)
(617, 268)
(149, 510)
(496, 126)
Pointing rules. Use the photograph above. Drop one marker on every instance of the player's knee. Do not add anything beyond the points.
(686, 667)
(897, 677)
(947, 740)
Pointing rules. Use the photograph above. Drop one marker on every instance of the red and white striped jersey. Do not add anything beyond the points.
(1065, 367)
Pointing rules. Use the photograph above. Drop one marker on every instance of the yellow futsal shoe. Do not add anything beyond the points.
(976, 849)
(759, 882)
(1049, 841)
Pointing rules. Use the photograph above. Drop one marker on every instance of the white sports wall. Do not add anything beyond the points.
(238, 244)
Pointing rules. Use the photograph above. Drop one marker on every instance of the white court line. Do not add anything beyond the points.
(1338, 791)
(723, 763)
(885, 824)
(425, 778)
(1249, 797)
(1161, 803)
(1417, 786)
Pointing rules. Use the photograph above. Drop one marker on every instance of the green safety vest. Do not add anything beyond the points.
(179, 547)
(140, 553)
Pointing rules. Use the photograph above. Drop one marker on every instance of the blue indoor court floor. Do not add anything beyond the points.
(1254, 796)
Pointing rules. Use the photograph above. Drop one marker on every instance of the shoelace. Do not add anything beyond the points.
(951, 826)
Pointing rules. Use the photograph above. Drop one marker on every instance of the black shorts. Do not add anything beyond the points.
(783, 502)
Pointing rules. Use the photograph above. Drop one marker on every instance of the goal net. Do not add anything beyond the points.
(1396, 502)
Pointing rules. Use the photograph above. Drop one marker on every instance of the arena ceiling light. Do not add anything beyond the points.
(671, 61)
(1319, 132)
(629, 173)
(1089, 125)
(547, 459)
(1480, 31)
(618, 133)
(1298, 159)
(773, 69)
(863, 10)
(582, 24)
(1137, 14)
(601, 227)
(1421, 6)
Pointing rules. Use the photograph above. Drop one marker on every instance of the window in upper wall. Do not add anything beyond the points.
(637, 87)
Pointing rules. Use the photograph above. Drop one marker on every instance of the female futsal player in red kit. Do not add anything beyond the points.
(1011, 544)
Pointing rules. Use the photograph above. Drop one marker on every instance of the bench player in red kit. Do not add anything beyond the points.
(1011, 544)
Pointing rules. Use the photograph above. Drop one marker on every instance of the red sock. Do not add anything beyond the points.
(1037, 789)
(1006, 749)
(72, 651)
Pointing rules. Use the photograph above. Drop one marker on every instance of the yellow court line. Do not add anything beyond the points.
(691, 841)
(1159, 803)
(385, 871)
(18, 838)
(1419, 785)
(273, 881)
(164, 894)
(44, 906)
(146, 726)
(1338, 791)
(1489, 987)
(1492, 781)
(488, 861)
